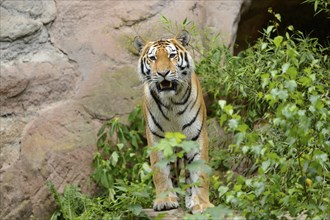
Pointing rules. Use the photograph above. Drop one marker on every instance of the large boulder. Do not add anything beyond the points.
(65, 68)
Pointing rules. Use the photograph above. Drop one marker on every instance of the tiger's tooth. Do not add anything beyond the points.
(161, 86)
(170, 84)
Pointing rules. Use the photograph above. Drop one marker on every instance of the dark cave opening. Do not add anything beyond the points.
(294, 12)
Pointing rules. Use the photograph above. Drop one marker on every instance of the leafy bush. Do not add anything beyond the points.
(274, 97)
(127, 203)
(121, 168)
(122, 154)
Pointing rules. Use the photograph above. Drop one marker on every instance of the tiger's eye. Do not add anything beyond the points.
(172, 55)
(153, 58)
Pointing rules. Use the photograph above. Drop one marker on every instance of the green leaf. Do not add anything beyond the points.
(168, 151)
(222, 103)
(114, 125)
(222, 190)
(277, 41)
(179, 137)
(292, 72)
(188, 146)
(106, 179)
(305, 81)
(223, 118)
(184, 22)
(265, 165)
(242, 127)
(164, 19)
(146, 167)
(283, 94)
(162, 164)
(228, 109)
(290, 85)
(285, 67)
(120, 146)
(278, 16)
(265, 80)
(269, 29)
(101, 130)
(264, 46)
(114, 158)
(219, 212)
(233, 124)
(199, 165)
(136, 209)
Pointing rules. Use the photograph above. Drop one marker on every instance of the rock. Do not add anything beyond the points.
(15, 26)
(104, 103)
(11, 130)
(42, 10)
(12, 84)
(47, 154)
(44, 77)
(218, 138)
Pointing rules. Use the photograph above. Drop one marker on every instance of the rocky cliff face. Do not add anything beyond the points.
(65, 68)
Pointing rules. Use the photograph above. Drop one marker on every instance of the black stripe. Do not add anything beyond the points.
(154, 95)
(192, 120)
(183, 111)
(186, 59)
(179, 47)
(199, 132)
(154, 133)
(194, 101)
(188, 91)
(181, 60)
(181, 57)
(159, 104)
(192, 158)
(197, 136)
(154, 120)
(142, 68)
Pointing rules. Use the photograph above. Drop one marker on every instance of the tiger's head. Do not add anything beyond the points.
(165, 65)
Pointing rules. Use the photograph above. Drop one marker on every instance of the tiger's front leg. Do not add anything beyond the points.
(197, 196)
(166, 198)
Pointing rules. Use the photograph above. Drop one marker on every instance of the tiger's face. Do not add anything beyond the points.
(165, 65)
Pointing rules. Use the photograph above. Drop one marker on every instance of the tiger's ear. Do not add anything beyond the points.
(184, 38)
(139, 43)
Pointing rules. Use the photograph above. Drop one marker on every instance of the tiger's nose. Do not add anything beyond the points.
(163, 73)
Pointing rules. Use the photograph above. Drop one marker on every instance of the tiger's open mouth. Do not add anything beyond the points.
(166, 85)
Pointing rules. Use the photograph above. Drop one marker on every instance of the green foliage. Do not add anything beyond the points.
(121, 168)
(274, 98)
(320, 5)
(71, 203)
(121, 155)
(127, 204)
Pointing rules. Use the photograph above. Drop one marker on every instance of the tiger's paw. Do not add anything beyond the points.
(167, 203)
(199, 208)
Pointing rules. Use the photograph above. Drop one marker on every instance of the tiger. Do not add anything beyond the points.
(173, 102)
